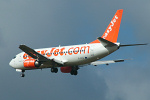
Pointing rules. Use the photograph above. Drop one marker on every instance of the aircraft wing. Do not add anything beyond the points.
(106, 62)
(38, 56)
(33, 53)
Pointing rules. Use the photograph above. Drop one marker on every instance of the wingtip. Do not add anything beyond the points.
(20, 45)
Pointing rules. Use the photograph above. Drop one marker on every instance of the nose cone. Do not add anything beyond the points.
(11, 63)
(16, 64)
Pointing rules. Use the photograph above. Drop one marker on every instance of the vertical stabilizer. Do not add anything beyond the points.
(111, 33)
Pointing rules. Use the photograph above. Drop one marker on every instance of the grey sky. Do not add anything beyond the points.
(46, 23)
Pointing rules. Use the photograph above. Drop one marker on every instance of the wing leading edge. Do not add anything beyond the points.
(33, 53)
(37, 56)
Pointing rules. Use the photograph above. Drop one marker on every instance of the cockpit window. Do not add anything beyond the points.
(15, 57)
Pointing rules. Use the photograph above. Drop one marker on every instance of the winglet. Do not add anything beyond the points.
(111, 33)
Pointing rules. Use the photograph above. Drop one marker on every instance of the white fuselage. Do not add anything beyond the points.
(73, 55)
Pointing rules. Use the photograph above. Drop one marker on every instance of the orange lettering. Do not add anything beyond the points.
(76, 51)
(84, 48)
(61, 51)
(43, 52)
(88, 49)
(38, 51)
(56, 52)
(50, 54)
(25, 56)
(70, 52)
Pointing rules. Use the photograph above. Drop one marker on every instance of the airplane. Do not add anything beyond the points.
(70, 58)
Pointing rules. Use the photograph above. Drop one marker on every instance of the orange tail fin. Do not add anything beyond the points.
(111, 33)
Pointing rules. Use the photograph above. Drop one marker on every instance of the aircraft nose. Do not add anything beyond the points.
(11, 63)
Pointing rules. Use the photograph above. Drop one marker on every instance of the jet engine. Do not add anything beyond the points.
(31, 63)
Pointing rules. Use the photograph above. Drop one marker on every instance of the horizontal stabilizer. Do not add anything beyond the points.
(133, 45)
(107, 62)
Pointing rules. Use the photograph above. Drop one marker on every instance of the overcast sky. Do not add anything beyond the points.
(49, 23)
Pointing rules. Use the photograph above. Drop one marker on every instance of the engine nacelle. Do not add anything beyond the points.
(31, 63)
(66, 69)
